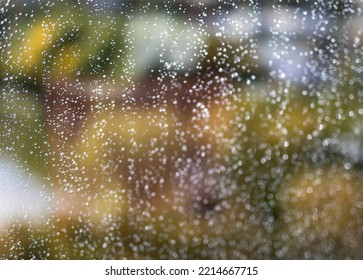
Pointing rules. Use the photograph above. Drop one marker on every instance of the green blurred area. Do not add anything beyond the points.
(22, 126)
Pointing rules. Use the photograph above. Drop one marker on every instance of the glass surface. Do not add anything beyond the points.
(181, 129)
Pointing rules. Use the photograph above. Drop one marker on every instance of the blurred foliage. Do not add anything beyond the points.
(22, 126)
(164, 136)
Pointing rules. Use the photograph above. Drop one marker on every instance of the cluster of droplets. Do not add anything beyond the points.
(209, 129)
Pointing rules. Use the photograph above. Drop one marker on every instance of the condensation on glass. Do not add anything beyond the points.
(181, 129)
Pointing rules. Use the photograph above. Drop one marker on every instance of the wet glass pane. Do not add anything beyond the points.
(181, 129)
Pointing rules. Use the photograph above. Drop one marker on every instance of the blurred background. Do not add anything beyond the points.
(181, 129)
